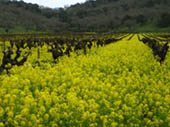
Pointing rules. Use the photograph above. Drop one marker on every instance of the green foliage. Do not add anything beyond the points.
(2, 30)
(164, 20)
(93, 15)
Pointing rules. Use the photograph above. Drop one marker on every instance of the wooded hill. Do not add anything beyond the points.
(91, 16)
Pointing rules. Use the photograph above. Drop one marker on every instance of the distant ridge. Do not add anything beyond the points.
(91, 16)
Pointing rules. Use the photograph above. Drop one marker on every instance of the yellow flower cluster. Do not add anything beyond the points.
(119, 85)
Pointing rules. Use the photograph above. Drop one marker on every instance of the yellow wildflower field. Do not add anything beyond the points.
(119, 85)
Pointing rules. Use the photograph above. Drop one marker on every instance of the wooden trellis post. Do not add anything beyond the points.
(4, 46)
(38, 52)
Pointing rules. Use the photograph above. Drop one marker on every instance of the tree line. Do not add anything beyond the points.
(91, 16)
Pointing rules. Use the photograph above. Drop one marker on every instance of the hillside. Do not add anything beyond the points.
(20, 16)
(93, 15)
(115, 14)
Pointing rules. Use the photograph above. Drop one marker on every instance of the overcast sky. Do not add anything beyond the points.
(55, 3)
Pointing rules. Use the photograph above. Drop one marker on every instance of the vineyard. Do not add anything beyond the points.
(85, 80)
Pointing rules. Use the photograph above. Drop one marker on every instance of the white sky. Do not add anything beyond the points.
(54, 3)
